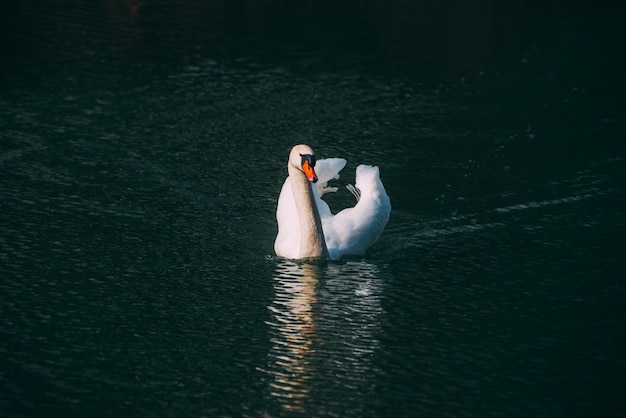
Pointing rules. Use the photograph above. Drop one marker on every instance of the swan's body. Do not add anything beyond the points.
(307, 228)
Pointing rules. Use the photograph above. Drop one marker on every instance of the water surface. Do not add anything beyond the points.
(142, 150)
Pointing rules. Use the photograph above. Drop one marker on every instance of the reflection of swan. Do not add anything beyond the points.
(293, 311)
(307, 228)
(325, 319)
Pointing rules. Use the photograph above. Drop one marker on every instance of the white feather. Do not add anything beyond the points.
(349, 232)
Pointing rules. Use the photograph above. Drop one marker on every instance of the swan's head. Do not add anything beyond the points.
(303, 158)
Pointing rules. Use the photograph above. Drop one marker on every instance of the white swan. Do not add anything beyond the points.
(307, 228)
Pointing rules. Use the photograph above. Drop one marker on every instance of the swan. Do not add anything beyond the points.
(306, 227)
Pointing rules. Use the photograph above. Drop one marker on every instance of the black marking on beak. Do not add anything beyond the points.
(308, 157)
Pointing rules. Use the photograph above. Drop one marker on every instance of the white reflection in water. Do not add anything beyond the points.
(324, 327)
(293, 343)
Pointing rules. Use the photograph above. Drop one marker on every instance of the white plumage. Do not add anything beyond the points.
(349, 232)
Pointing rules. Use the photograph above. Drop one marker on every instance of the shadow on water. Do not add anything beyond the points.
(324, 321)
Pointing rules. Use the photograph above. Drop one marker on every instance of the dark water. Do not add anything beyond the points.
(142, 149)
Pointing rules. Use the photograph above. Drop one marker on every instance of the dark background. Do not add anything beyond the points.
(142, 149)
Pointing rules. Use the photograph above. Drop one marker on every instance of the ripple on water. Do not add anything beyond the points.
(315, 307)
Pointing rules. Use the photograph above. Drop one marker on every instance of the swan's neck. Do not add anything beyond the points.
(312, 242)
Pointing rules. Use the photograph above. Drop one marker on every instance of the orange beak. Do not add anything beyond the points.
(309, 171)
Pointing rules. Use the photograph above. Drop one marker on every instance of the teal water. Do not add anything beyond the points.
(142, 150)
